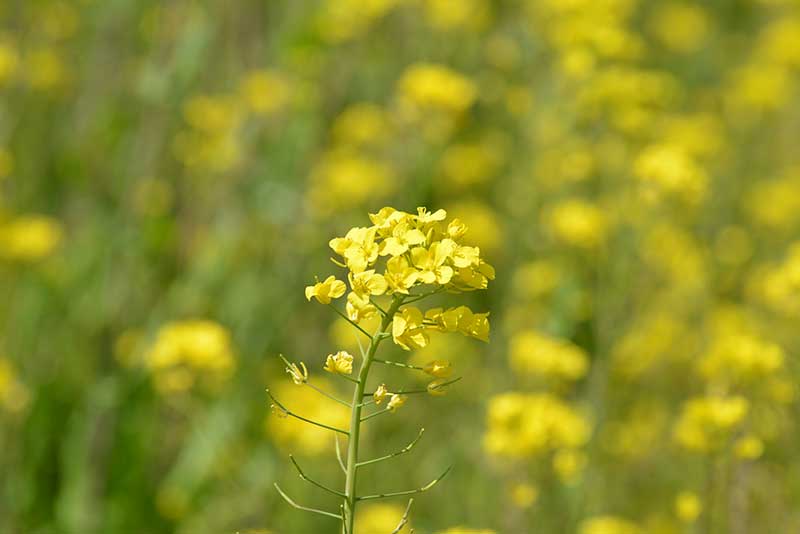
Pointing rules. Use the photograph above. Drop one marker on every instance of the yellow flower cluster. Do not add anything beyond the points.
(778, 285)
(187, 352)
(213, 141)
(607, 524)
(29, 237)
(343, 20)
(427, 86)
(521, 425)
(707, 423)
(539, 355)
(736, 358)
(420, 250)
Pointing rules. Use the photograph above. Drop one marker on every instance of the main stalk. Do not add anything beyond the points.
(355, 416)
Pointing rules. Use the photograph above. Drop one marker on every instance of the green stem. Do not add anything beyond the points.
(355, 416)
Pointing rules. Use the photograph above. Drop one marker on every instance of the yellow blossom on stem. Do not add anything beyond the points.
(408, 330)
(438, 368)
(395, 402)
(400, 276)
(299, 376)
(325, 291)
(438, 387)
(367, 283)
(340, 363)
(380, 394)
(359, 308)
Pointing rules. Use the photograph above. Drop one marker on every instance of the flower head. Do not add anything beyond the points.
(380, 394)
(438, 368)
(325, 291)
(438, 387)
(408, 330)
(299, 376)
(340, 363)
(395, 402)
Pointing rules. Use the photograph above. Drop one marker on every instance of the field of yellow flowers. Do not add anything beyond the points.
(619, 178)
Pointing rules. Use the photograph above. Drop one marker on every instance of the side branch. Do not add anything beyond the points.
(305, 508)
(309, 421)
(392, 455)
(314, 482)
(410, 391)
(424, 488)
(399, 364)
(346, 318)
(339, 455)
(375, 414)
(328, 395)
(404, 519)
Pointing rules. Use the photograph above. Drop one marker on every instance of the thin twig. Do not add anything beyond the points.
(399, 364)
(413, 391)
(326, 394)
(426, 487)
(314, 482)
(415, 298)
(346, 318)
(339, 454)
(289, 412)
(305, 508)
(392, 455)
(404, 519)
(375, 414)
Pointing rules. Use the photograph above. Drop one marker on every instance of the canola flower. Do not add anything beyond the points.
(400, 260)
(29, 238)
(188, 352)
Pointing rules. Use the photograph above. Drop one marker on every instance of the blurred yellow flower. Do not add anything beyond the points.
(577, 222)
(44, 69)
(568, 464)
(451, 14)
(9, 59)
(608, 525)
(536, 354)
(29, 237)
(524, 495)
(344, 178)
(521, 425)
(431, 86)
(185, 352)
(705, 423)
(681, 27)
(669, 169)
(467, 165)
(361, 125)
(688, 506)
(342, 20)
(749, 447)
(265, 91)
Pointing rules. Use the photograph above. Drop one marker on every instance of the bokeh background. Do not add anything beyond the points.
(171, 173)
